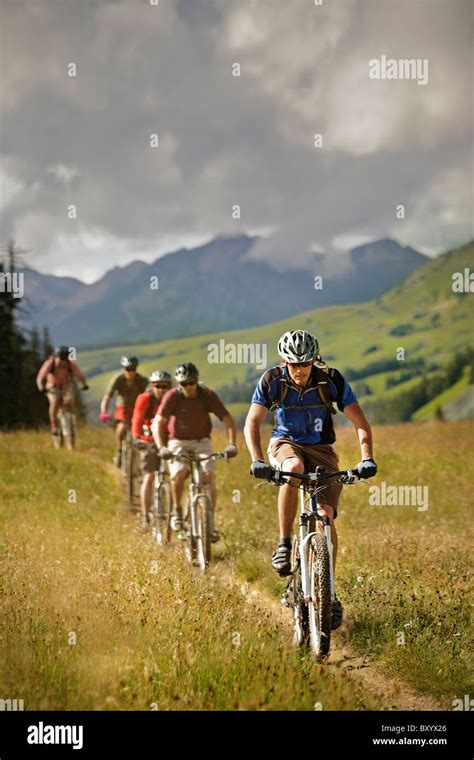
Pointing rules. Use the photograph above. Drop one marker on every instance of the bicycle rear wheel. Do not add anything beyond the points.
(300, 610)
(204, 530)
(129, 462)
(319, 606)
(58, 439)
(162, 514)
(190, 543)
(68, 430)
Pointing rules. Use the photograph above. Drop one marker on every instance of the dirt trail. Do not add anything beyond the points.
(394, 694)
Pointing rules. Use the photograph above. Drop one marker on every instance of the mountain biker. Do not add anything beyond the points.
(128, 384)
(186, 409)
(301, 390)
(144, 410)
(54, 377)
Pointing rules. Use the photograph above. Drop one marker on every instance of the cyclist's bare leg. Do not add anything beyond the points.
(327, 511)
(68, 402)
(120, 433)
(53, 411)
(177, 486)
(145, 492)
(288, 497)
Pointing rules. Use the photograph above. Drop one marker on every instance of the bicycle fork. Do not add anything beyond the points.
(305, 538)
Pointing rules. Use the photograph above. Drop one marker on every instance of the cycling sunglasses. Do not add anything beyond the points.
(163, 386)
(187, 383)
(301, 364)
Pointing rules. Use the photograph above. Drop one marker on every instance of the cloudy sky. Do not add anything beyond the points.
(224, 140)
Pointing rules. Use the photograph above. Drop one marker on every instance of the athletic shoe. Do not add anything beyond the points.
(281, 560)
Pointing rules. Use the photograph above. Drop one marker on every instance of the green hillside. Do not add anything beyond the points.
(429, 410)
(422, 315)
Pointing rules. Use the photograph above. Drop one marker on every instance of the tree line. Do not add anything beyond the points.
(21, 355)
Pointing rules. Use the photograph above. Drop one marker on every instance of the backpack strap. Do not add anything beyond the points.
(51, 367)
(323, 387)
(151, 404)
(282, 388)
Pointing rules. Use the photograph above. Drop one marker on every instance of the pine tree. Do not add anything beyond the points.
(22, 404)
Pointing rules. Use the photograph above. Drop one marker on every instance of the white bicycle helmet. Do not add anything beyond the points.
(185, 372)
(129, 362)
(160, 377)
(298, 346)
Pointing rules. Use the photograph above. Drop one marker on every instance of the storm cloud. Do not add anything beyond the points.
(227, 140)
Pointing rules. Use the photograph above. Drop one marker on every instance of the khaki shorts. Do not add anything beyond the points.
(190, 446)
(149, 461)
(64, 396)
(311, 455)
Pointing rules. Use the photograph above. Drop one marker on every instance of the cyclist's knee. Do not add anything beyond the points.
(327, 510)
(293, 464)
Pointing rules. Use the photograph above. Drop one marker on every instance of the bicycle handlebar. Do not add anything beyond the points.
(345, 476)
(183, 457)
(199, 457)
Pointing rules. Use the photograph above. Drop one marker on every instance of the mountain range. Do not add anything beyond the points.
(409, 353)
(217, 286)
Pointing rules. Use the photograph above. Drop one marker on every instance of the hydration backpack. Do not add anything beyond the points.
(52, 368)
(323, 372)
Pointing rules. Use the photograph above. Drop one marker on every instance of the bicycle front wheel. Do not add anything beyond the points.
(129, 463)
(204, 530)
(69, 430)
(162, 513)
(319, 606)
(300, 610)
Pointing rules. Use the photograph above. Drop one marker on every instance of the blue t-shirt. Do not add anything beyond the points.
(302, 416)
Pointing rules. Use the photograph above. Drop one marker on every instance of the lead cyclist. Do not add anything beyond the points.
(301, 391)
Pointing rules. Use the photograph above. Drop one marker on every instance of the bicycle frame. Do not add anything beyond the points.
(305, 538)
(67, 431)
(197, 490)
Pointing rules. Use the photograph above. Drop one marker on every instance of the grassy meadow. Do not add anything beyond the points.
(94, 616)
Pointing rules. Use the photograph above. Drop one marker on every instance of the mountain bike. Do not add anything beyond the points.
(160, 514)
(130, 467)
(198, 513)
(161, 502)
(162, 506)
(310, 589)
(67, 422)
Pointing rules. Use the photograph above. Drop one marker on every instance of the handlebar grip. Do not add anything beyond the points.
(265, 475)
